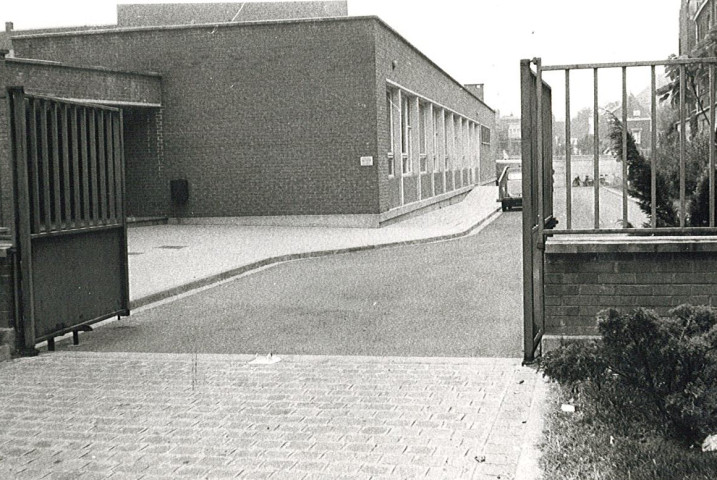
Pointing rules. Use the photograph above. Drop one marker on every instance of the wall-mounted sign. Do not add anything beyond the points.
(366, 161)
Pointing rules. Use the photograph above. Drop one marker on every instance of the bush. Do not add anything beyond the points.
(699, 207)
(660, 372)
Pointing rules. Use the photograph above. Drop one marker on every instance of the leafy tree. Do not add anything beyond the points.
(700, 204)
(696, 80)
(696, 100)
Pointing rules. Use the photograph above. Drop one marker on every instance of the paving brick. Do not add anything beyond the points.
(344, 449)
(339, 467)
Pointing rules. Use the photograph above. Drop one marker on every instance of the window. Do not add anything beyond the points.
(476, 145)
(472, 141)
(422, 111)
(446, 136)
(436, 133)
(485, 135)
(464, 143)
(456, 141)
(422, 126)
(444, 141)
(703, 21)
(637, 135)
(391, 137)
(406, 123)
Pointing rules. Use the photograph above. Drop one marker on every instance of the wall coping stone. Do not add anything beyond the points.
(571, 244)
(90, 68)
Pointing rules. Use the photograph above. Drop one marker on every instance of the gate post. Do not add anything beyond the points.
(527, 174)
(23, 270)
(533, 207)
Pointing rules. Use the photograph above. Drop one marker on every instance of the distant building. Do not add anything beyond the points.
(509, 136)
(152, 15)
(697, 20)
(639, 121)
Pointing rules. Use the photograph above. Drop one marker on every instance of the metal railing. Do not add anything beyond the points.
(681, 65)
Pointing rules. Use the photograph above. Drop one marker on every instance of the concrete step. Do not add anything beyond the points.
(146, 221)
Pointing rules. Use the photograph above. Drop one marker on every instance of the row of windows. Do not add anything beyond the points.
(451, 141)
(704, 19)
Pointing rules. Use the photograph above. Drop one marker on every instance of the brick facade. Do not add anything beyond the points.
(254, 119)
(269, 118)
(146, 182)
(579, 285)
(7, 304)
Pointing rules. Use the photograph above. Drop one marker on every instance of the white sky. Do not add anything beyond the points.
(475, 41)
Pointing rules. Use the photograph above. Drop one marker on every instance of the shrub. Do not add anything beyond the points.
(699, 211)
(657, 370)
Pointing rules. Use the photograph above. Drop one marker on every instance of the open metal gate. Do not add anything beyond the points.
(70, 226)
(537, 167)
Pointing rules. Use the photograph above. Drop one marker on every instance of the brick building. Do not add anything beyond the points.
(330, 119)
(697, 20)
(509, 136)
(639, 122)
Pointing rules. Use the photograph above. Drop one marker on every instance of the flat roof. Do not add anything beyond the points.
(120, 30)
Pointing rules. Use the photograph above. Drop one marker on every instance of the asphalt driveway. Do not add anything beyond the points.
(453, 298)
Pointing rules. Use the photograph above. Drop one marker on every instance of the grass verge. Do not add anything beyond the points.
(583, 446)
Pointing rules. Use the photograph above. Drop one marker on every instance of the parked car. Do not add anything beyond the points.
(510, 187)
(500, 165)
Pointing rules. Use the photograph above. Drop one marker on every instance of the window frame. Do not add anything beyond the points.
(391, 161)
(406, 132)
(423, 110)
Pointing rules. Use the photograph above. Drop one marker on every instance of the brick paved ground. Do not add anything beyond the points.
(76, 415)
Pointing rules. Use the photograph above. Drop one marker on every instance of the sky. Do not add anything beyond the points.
(475, 41)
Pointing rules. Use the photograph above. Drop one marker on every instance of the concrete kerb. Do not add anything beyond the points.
(528, 462)
(235, 272)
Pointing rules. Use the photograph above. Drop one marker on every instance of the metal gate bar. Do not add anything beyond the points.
(537, 169)
(653, 153)
(682, 65)
(73, 166)
(596, 150)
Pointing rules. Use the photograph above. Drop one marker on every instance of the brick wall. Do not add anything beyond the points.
(7, 306)
(147, 189)
(261, 119)
(578, 285)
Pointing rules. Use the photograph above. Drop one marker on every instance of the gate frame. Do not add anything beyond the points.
(22, 231)
(537, 167)
(537, 178)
